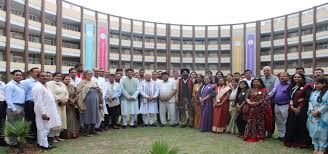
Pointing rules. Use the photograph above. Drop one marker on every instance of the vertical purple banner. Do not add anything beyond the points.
(250, 51)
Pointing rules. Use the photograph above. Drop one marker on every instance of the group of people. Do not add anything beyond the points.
(84, 102)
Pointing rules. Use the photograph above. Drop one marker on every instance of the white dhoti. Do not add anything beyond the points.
(148, 111)
(42, 131)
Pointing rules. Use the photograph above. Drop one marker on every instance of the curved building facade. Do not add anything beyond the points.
(55, 35)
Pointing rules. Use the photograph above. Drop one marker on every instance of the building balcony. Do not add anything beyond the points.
(225, 46)
(149, 58)
(17, 66)
(175, 59)
(200, 60)
(266, 44)
(114, 41)
(307, 38)
(292, 40)
(322, 53)
(114, 56)
(175, 46)
(71, 34)
(212, 59)
(225, 59)
(186, 60)
(292, 56)
(322, 35)
(307, 55)
(265, 58)
(50, 68)
(70, 52)
(161, 59)
(279, 57)
(279, 42)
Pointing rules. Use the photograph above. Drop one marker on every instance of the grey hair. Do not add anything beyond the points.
(87, 72)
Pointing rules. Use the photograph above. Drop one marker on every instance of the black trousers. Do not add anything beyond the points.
(3, 108)
(139, 116)
(114, 113)
(241, 124)
(30, 116)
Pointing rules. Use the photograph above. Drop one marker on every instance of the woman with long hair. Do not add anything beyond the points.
(258, 102)
(296, 133)
(195, 94)
(221, 116)
(242, 107)
(317, 122)
(232, 128)
(206, 101)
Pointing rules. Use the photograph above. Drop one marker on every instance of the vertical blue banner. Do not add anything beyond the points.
(250, 52)
(89, 50)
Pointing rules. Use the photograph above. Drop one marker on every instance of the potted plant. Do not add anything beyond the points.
(161, 147)
(19, 129)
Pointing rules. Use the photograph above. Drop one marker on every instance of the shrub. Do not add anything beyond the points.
(161, 147)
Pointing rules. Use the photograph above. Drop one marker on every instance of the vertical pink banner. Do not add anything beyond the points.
(102, 47)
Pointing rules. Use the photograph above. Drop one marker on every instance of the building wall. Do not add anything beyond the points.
(55, 35)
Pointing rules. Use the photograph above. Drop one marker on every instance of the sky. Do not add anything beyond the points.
(199, 12)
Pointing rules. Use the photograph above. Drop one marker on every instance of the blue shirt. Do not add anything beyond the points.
(28, 84)
(14, 94)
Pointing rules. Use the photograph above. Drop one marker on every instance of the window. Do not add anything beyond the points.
(322, 28)
(265, 37)
(17, 35)
(265, 51)
(71, 27)
(34, 18)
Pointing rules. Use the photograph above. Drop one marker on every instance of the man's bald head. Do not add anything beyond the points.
(147, 76)
(267, 70)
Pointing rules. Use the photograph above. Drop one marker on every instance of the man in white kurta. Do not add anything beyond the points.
(149, 100)
(129, 99)
(103, 85)
(46, 113)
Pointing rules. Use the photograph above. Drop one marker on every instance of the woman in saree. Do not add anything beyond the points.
(297, 134)
(259, 103)
(206, 101)
(232, 127)
(196, 101)
(221, 116)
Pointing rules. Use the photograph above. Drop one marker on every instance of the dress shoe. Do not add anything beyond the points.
(47, 148)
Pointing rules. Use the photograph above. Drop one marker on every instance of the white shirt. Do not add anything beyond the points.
(114, 90)
(44, 103)
(166, 89)
(102, 84)
(2, 91)
(249, 82)
(76, 81)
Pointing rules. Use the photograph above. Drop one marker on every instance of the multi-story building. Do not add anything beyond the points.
(55, 35)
